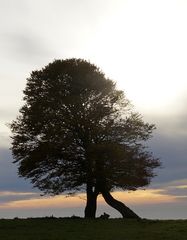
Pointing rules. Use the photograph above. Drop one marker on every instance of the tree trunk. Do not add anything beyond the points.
(119, 206)
(91, 204)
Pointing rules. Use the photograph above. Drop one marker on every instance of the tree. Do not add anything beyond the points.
(77, 132)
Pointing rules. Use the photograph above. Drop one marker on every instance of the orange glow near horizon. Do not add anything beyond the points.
(139, 197)
(45, 202)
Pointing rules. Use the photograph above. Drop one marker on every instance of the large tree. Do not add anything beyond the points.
(77, 132)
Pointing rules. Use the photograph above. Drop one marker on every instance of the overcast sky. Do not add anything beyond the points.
(139, 44)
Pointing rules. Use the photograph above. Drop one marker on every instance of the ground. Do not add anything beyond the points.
(98, 229)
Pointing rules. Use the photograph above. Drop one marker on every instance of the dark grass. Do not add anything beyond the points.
(98, 229)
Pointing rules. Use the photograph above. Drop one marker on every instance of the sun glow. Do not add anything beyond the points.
(146, 53)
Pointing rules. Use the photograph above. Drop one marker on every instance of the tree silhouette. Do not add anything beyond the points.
(77, 132)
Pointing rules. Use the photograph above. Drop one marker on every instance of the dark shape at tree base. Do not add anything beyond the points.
(104, 216)
(119, 206)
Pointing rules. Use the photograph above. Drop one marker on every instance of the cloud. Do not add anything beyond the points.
(169, 144)
(6, 114)
(4, 139)
(24, 46)
(8, 196)
(30, 201)
(144, 197)
(177, 190)
(152, 203)
(13, 13)
(9, 180)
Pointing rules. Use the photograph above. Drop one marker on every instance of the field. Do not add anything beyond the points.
(98, 229)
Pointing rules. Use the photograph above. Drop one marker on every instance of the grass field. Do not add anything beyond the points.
(98, 229)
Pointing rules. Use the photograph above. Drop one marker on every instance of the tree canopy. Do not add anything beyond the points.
(77, 131)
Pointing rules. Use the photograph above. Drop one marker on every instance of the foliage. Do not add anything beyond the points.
(76, 128)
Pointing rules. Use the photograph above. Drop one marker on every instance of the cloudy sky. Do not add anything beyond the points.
(142, 45)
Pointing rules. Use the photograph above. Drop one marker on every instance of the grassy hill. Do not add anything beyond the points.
(98, 229)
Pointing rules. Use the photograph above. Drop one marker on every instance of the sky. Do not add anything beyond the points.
(141, 45)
